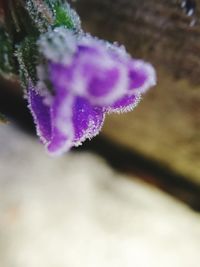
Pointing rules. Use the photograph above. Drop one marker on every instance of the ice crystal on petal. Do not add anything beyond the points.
(58, 45)
(125, 104)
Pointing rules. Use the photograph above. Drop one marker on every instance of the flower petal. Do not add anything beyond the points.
(98, 76)
(40, 113)
(125, 104)
(87, 120)
(142, 76)
(53, 123)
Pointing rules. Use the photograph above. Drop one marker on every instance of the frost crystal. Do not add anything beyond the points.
(58, 45)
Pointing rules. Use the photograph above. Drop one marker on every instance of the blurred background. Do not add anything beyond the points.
(131, 196)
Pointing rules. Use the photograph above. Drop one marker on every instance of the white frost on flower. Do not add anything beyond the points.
(58, 45)
(148, 69)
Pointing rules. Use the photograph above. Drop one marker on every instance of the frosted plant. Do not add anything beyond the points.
(72, 79)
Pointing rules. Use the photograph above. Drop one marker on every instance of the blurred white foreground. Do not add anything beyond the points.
(75, 211)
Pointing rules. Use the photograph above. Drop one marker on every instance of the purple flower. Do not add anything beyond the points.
(95, 80)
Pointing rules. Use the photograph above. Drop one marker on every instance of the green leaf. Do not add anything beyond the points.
(28, 57)
(6, 53)
(62, 17)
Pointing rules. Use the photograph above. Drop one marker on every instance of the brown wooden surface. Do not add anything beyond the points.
(158, 30)
(166, 125)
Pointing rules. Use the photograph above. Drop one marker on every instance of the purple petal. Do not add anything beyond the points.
(101, 84)
(41, 114)
(53, 123)
(98, 76)
(87, 120)
(125, 104)
(59, 75)
(142, 76)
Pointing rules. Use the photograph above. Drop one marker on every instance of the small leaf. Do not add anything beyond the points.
(62, 17)
(6, 53)
(27, 55)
